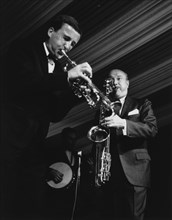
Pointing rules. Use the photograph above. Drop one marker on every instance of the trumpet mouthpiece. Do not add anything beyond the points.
(62, 52)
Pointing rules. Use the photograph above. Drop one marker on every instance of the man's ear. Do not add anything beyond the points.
(50, 31)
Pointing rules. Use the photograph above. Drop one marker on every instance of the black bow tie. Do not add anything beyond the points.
(52, 57)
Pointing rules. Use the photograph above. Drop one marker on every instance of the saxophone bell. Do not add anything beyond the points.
(98, 134)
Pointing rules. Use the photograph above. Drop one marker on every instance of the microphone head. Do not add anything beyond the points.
(79, 153)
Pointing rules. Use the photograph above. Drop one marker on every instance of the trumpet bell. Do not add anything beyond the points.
(98, 134)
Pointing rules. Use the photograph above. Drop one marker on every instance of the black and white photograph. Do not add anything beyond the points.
(86, 110)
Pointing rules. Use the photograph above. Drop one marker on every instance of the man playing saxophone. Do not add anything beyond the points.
(125, 194)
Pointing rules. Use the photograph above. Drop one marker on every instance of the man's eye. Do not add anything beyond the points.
(73, 44)
(67, 38)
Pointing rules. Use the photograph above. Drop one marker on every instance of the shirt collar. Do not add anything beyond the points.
(122, 100)
(46, 49)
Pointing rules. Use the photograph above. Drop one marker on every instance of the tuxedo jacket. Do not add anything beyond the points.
(32, 97)
(132, 149)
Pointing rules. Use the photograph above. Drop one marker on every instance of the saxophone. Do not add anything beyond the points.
(101, 136)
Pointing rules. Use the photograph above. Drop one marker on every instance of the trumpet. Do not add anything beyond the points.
(82, 89)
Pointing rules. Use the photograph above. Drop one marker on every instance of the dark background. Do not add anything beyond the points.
(138, 42)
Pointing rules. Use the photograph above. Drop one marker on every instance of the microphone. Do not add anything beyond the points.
(79, 153)
(79, 162)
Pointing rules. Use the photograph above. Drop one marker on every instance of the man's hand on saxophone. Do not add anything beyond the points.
(114, 121)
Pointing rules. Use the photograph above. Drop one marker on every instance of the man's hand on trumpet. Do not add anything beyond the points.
(82, 70)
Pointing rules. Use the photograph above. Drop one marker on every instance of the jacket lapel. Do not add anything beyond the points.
(41, 59)
(127, 107)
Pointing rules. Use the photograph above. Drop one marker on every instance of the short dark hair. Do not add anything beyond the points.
(62, 19)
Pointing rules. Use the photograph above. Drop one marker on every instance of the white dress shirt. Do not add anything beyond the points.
(51, 63)
(124, 130)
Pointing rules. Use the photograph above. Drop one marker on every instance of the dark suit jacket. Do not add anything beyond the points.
(133, 147)
(32, 98)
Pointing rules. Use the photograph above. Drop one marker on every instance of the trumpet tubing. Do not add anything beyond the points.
(81, 88)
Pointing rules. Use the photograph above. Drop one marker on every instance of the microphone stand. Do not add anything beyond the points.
(79, 154)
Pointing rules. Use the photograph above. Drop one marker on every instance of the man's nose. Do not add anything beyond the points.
(115, 81)
(67, 46)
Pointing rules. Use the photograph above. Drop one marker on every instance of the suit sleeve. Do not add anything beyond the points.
(146, 125)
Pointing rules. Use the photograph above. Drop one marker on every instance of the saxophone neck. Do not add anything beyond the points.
(106, 101)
